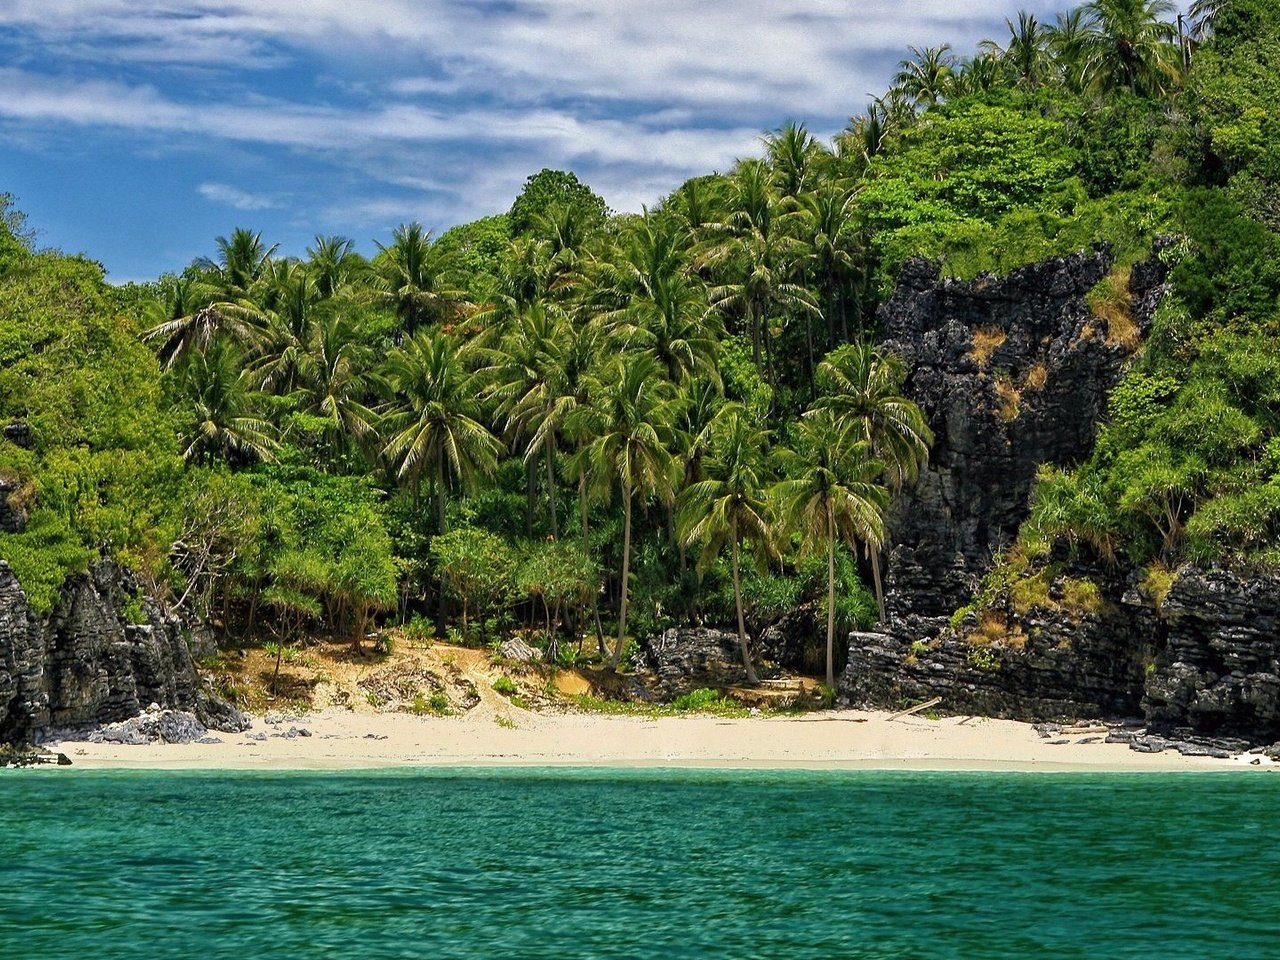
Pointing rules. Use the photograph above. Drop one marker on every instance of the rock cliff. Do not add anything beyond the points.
(1011, 373)
(86, 665)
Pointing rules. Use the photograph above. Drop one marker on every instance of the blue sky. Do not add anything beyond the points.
(138, 130)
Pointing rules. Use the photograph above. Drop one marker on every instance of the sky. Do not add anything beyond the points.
(137, 131)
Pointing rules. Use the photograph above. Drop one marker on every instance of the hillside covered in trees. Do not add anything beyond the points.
(602, 424)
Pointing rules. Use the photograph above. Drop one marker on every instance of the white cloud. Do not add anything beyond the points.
(235, 197)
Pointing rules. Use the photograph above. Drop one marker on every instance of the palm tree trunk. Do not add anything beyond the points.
(874, 550)
(586, 551)
(831, 599)
(626, 572)
(549, 450)
(530, 489)
(737, 602)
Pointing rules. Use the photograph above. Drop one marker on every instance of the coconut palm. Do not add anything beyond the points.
(1026, 53)
(1128, 46)
(862, 388)
(240, 262)
(797, 158)
(630, 417)
(1067, 40)
(435, 425)
(183, 319)
(835, 258)
(337, 382)
(831, 495)
(527, 385)
(731, 505)
(415, 278)
(223, 422)
(332, 263)
(755, 250)
(923, 77)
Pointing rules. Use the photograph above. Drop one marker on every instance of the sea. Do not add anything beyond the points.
(638, 863)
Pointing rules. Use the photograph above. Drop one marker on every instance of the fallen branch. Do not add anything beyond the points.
(917, 708)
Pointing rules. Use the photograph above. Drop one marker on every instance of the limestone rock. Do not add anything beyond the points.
(84, 665)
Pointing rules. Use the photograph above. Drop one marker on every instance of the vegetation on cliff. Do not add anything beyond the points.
(610, 423)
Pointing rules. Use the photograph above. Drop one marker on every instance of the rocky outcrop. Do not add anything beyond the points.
(680, 655)
(86, 664)
(1218, 670)
(1053, 660)
(1011, 373)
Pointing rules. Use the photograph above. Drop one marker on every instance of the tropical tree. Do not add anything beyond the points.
(1025, 54)
(630, 417)
(796, 157)
(435, 425)
(332, 262)
(923, 77)
(223, 421)
(337, 382)
(415, 278)
(862, 388)
(1127, 46)
(757, 253)
(831, 495)
(731, 505)
(182, 320)
(240, 263)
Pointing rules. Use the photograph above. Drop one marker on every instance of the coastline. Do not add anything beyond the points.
(339, 739)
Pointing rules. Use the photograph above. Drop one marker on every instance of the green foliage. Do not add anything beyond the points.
(505, 685)
(547, 190)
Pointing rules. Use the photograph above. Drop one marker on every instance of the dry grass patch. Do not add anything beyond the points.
(986, 340)
(1157, 581)
(1010, 398)
(1112, 302)
(1036, 377)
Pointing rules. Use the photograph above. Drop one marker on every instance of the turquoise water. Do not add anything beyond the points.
(668, 864)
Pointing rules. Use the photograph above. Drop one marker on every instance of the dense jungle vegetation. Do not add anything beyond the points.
(604, 424)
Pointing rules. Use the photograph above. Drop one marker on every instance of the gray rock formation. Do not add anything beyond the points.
(85, 665)
(1217, 671)
(682, 654)
(1012, 373)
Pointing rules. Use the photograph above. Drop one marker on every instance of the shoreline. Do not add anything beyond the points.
(338, 739)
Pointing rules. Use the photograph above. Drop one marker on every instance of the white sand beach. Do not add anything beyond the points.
(342, 739)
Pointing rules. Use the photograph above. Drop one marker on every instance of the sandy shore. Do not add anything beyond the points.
(342, 739)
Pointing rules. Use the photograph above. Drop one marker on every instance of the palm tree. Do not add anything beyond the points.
(288, 306)
(758, 254)
(862, 389)
(797, 158)
(1128, 46)
(224, 423)
(331, 263)
(1067, 40)
(835, 256)
(414, 277)
(979, 74)
(336, 382)
(527, 383)
(631, 419)
(436, 430)
(240, 263)
(831, 495)
(183, 320)
(1025, 55)
(922, 78)
(731, 505)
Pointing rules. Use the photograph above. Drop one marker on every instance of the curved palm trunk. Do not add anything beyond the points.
(742, 626)
(831, 598)
(874, 550)
(626, 572)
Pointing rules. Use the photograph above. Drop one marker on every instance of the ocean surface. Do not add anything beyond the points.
(638, 863)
